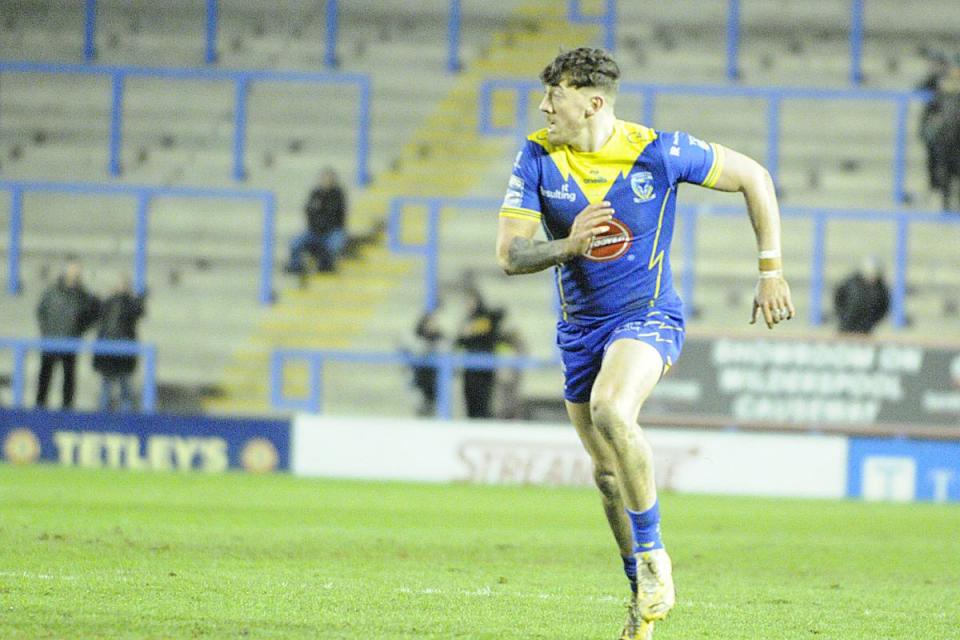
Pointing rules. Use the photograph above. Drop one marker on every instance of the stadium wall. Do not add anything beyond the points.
(804, 465)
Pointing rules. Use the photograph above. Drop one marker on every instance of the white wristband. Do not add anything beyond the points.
(771, 253)
(776, 273)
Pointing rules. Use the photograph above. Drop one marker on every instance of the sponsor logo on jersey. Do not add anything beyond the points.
(612, 244)
(563, 193)
(595, 178)
(642, 184)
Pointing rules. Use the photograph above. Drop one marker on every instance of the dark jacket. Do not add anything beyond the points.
(326, 210)
(861, 303)
(66, 312)
(118, 321)
(482, 330)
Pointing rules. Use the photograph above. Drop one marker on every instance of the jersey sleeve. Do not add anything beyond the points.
(522, 200)
(690, 159)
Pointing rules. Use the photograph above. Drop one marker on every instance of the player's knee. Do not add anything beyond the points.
(609, 417)
(607, 483)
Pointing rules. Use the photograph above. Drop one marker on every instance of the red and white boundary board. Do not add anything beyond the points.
(691, 461)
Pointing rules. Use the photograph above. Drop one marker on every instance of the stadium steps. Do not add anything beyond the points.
(372, 303)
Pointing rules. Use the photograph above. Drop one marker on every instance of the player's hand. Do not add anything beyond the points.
(588, 224)
(772, 298)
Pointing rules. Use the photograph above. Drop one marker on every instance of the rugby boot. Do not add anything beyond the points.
(636, 628)
(656, 595)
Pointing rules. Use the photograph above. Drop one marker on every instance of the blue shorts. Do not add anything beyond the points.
(582, 347)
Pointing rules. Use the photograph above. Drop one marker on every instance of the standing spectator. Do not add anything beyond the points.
(946, 135)
(930, 116)
(479, 335)
(862, 300)
(66, 310)
(425, 377)
(325, 236)
(119, 315)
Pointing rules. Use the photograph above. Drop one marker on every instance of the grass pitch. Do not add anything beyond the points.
(150, 555)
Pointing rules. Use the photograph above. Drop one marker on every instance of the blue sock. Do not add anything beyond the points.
(630, 569)
(646, 528)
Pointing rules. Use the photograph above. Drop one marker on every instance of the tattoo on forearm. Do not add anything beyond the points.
(530, 256)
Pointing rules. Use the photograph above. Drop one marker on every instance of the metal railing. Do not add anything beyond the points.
(607, 20)
(242, 81)
(446, 364)
(903, 220)
(22, 346)
(144, 195)
(774, 97)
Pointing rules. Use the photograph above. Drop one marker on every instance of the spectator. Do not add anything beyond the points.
(862, 300)
(119, 315)
(930, 116)
(946, 135)
(66, 310)
(325, 236)
(425, 377)
(479, 335)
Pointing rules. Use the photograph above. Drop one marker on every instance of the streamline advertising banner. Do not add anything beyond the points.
(488, 452)
(812, 382)
(132, 441)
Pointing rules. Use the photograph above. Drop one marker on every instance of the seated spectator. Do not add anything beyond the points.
(119, 315)
(325, 236)
(66, 310)
(862, 300)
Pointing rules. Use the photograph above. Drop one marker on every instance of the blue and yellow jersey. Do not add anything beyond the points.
(637, 171)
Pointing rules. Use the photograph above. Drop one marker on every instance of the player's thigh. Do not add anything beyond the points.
(630, 371)
(595, 444)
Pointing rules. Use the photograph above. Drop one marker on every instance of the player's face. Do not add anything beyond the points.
(566, 110)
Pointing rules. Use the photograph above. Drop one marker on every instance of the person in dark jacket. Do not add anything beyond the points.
(946, 137)
(119, 315)
(930, 117)
(66, 310)
(479, 334)
(325, 236)
(862, 300)
(430, 336)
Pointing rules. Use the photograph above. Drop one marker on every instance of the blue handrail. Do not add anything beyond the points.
(21, 346)
(213, 19)
(333, 26)
(145, 195)
(453, 36)
(903, 219)
(242, 81)
(446, 364)
(733, 40)
(773, 95)
(607, 20)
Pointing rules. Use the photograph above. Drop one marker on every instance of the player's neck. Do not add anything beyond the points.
(598, 131)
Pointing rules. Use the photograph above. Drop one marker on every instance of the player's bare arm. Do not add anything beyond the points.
(743, 174)
(518, 252)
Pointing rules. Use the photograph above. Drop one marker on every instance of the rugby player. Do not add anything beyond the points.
(604, 191)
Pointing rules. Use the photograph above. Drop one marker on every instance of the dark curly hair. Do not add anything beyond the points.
(583, 67)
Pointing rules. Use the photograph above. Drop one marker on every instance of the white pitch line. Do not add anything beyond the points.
(34, 576)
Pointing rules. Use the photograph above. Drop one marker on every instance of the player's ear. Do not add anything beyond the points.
(596, 104)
